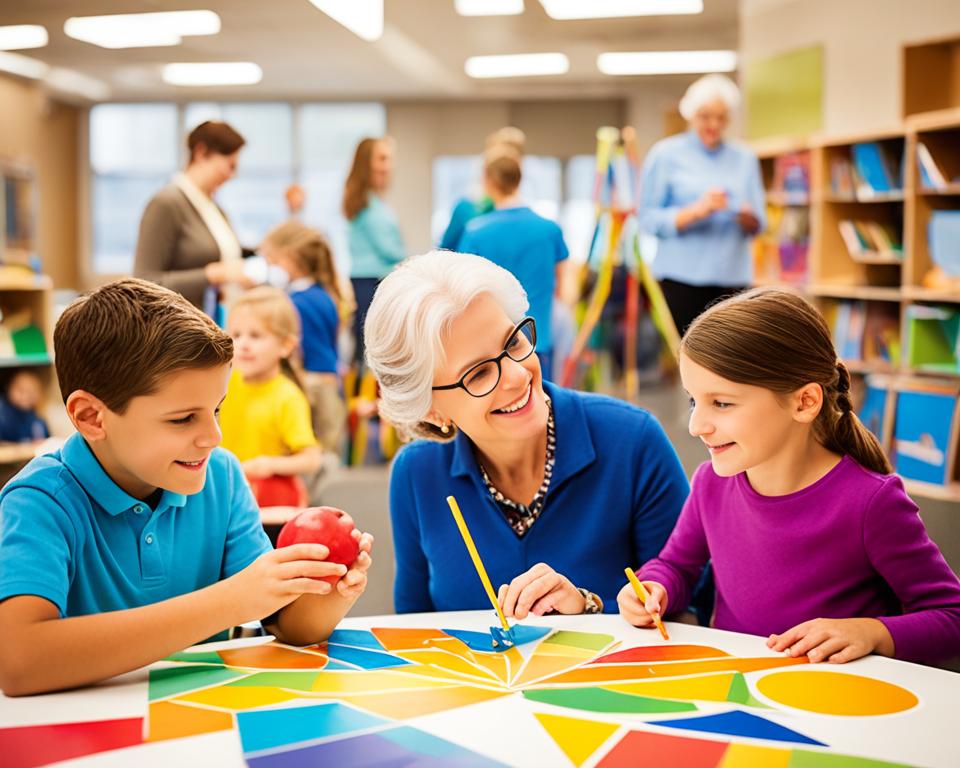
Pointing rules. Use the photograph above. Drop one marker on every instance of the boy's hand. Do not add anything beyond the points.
(354, 581)
(834, 640)
(258, 467)
(280, 576)
(637, 613)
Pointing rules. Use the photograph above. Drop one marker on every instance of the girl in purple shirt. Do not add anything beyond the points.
(813, 540)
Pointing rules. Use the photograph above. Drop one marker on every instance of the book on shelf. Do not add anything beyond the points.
(881, 333)
(865, 238)
(843, 180)
(848, 327)
(923, 432)
(878, 170)
(932, 338)
(931, 177)
(791, 176)
(873, 410)
(943, 241)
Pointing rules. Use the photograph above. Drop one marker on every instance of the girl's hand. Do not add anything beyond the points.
(258, 467)
(835, 640)
(637, 613)
(539, 591)
(354, 582)
(279, 577)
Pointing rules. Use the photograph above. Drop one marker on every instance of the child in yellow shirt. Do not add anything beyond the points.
(265, 418)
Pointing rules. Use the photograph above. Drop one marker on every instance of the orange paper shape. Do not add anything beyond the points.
(407, 639)
(271, 656)
(174, 721)
(655, 653)
(404, 706)
(836, 693)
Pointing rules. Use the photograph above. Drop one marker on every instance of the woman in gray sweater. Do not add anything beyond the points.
(185, 242)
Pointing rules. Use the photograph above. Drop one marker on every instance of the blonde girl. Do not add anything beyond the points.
(321, 303)
(814, 543)
(265, 417)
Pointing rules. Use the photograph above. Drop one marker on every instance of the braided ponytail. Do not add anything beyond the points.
(777, 340)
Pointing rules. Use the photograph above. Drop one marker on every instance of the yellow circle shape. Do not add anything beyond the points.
(835, 693)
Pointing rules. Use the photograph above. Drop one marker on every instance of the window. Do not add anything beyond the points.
(133, 152)
(136, 148)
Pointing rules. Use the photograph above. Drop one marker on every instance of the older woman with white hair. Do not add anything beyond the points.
(702, 196)
(560, 489)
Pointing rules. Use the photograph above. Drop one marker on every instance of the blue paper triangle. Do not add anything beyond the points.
(739, 723)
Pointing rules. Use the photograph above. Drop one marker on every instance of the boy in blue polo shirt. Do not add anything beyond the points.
(140, 537)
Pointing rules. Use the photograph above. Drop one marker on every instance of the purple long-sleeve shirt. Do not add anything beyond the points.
(850, 545)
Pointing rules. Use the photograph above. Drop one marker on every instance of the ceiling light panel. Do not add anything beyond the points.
(141, 30)
(567, 10)
(517, 65)
(362, 17)
(488, 7)
(21, 36)
(209, 73)
(666, 62)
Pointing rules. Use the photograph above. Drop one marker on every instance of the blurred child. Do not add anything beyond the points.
(266, 417)
(813, 541)
(315, 290)
(19, 421)
(140, 537)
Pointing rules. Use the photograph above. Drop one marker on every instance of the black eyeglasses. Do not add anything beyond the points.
(483, 378)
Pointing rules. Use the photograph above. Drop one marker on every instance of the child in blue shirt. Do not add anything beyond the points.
(140, 536)
(314, 289)
(19, 420)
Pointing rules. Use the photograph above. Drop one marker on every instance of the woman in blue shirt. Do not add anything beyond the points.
(560, 489)
(376, 245)
(702, 196)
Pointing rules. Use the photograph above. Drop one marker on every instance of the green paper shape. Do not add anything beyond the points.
(165, 683)
(752, 702)
(738, 693)
(602, 700)
(801, 758)
(587, 640)
(203, 657)
(297, 681)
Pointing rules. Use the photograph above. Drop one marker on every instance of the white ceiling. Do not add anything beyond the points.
(305, 54)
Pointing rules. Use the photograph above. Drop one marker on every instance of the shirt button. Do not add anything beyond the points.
(138, 509)
(149, 539)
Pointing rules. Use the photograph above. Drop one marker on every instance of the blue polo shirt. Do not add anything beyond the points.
(319, 322)
(530, 247)
(72, 536)
(615, 495)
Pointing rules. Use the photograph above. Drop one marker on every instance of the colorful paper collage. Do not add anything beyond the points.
(353, 701)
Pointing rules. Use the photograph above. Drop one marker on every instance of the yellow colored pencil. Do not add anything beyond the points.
(644, 596)
(477, 562)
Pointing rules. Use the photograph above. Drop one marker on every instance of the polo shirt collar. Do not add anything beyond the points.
(575, 449)
(83, 465)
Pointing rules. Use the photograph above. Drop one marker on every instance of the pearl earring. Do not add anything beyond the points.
(445, 428)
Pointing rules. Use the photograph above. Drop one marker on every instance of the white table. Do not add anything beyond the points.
(506, 727)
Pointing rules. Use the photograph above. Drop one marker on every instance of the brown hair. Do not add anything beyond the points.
(356, 191)
(214, 136)
(502, 167)
(275, 310)
(777, 340)
(311, 252)
(118, 342)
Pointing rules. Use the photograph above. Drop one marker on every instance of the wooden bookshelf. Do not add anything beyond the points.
(926, 92)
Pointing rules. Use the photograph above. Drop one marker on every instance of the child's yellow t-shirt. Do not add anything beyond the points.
(271, 418)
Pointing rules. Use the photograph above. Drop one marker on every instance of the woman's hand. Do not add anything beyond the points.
(354, 582)
(748, 221)
(220, 272)
(539, 591)
(713, 200)
(258, 467)
(834, 640)
(640, 614)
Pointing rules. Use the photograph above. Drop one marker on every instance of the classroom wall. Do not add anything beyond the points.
(861, 41)
(424, 130)
(44, 132)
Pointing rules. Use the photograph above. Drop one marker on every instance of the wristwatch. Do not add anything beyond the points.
(593, 603)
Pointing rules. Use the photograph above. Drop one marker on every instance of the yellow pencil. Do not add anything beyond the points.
(644, 596)
(477, 562)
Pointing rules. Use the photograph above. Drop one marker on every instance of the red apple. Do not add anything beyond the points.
(323, 525)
